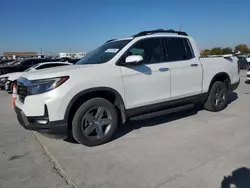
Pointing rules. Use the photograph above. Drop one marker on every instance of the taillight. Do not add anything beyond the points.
(238, 68)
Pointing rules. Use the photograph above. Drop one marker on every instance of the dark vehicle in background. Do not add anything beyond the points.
(73, 61)
(5, 61)
(21, 65)
(243, 63)
(67, 59)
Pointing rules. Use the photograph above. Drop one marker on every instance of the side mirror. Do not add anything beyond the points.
(134, 59)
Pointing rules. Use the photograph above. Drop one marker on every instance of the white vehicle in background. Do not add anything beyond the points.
(248, 75)
(148, 72)
(13, 77)
(248, 59)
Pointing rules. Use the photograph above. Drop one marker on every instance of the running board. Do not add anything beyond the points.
(163, 112)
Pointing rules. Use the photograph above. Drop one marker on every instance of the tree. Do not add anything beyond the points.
(243, 48)
(226, 50)
(205, 52)
(215, 51)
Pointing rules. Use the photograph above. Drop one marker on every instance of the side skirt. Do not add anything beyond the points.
(168, 106)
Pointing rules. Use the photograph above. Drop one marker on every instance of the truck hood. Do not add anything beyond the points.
(68, 70)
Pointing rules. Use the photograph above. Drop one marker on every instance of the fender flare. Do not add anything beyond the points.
(119, 103)
(218, 75)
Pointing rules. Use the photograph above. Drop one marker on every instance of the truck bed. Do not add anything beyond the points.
(212, 65)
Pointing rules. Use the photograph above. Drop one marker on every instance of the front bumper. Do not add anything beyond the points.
(2, 84)
(56, 128)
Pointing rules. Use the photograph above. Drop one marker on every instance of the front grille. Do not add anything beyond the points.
(2, 82)
(21, 92)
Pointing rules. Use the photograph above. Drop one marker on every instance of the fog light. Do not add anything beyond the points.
(42, 121)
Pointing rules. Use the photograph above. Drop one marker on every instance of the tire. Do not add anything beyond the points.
(87, 126)
(217, 101)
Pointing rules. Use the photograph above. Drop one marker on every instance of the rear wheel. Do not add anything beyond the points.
(95, 122)
(218, 97)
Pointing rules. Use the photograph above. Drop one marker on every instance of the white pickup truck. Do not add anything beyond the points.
(148, 72)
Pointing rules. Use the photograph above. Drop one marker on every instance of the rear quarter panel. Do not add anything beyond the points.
(215, 65)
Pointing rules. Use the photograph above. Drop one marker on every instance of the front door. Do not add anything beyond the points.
(149, 82)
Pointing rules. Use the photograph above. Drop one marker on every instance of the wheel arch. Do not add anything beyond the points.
(222, 76)
(104, 92)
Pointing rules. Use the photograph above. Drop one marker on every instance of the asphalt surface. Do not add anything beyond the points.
(191, 149)
(23, 162)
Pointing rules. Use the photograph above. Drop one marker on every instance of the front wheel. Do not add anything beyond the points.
(95, 122)
(218, 97)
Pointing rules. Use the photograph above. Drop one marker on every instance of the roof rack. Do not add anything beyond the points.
(110, 40)
(143, 33)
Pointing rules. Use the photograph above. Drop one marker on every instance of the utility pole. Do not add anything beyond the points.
(181, 28)
(41, 51)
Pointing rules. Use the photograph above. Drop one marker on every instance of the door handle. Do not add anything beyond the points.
(194, 65)
(163, 69)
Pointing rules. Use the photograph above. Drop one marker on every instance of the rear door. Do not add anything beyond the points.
(185, 68)
(149, 82)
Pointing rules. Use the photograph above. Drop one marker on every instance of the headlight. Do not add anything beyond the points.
(4, 79)
(42, 86)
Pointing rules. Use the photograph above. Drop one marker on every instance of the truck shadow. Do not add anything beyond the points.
(135, 124)
(233, 97)
(240, 178)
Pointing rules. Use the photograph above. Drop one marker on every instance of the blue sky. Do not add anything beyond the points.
(56, 26)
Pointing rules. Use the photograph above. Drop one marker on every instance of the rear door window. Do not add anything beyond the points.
(177, 49)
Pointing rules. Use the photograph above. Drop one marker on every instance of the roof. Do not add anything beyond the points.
(144, 33)
(157, 32)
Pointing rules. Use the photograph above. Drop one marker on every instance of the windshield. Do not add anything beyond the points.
(103, 53)
(19, 62)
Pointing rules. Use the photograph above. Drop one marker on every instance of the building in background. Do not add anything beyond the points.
(14, 55)
(76, 55)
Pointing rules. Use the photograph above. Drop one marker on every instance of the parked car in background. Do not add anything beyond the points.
(67, 59)
(13, 77)
(74, 61)
(5, 61)
(21, 65)
(248, 75)
(243, 63)
(3, 80)
(151, 71)
(248, 59)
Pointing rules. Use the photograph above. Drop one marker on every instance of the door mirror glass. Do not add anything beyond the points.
(134, 59)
